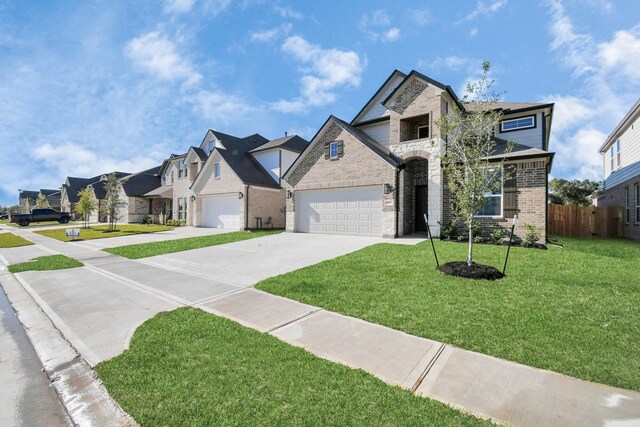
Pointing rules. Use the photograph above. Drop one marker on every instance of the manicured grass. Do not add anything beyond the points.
(143, 250)
(102, 231)
(47, 224)
(43, 263)
(187, 367)
(10, 240)
(574, 310)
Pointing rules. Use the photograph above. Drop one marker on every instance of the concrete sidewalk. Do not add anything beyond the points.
(82, 301)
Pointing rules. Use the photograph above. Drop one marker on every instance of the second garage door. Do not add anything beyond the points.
(354, 210)
(221, 211)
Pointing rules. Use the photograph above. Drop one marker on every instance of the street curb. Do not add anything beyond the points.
(83, 395)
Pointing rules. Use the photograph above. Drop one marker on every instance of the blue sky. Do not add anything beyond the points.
(95, 86)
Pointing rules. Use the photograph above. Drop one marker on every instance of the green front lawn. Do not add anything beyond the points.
(574, 310)
(44, 263)
(47, 224)
(143, 250)
(10, 240)
(102, 231)
(187, 367)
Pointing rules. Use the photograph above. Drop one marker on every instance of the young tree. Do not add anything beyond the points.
(469, 137)
(574, 192)
(112, 187)
(86, 205)
(42, 201)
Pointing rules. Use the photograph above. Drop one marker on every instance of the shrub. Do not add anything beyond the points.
(150, 220)
(531, 235)
(450, 230)
(177, 222)
(499, 234)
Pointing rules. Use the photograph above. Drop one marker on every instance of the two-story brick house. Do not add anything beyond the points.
(621, 158)
(379, 174)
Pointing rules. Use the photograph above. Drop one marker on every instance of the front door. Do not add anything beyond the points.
(420, 208)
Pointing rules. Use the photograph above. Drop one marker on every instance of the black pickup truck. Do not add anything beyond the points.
(40, 215)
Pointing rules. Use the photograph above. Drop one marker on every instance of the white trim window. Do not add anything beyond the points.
(493, 206)
(181, 171)
(518, 124)
(636, 188)
(211, 146)
(627, 206)
(216, 170)
(618, 152)
(333, 150)
(611, 157)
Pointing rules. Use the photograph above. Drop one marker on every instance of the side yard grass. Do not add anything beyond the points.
(102, 231)
(10, 240)
(573, 310)
(187, 367)
(45, 263)
(143, 250)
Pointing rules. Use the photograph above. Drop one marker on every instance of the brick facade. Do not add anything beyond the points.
(266, 203)
(615, 196)
(531, 202)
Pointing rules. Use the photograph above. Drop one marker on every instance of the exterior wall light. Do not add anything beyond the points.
(388, 189)
(289, 194)
(193, 198)
(240, 195)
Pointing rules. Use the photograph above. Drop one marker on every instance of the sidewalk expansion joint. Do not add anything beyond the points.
(428, 368)
(294, 320)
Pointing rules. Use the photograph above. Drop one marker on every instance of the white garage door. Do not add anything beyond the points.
(355, 210)
(221, 211)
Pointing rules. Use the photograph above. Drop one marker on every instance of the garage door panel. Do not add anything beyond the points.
(355, 210)
(221, 212)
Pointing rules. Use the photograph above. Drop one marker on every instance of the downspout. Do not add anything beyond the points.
(246, 207)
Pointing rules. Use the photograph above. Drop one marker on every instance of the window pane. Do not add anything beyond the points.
(333, 149)
(423, 132)
(492, 207)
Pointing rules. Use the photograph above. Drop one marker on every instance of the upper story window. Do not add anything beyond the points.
(423, 132)
(518, 124)
(333, 150)
(212, 144)
(636, 190)
(618, 152)
(216, 170)
(611, 157)
(172, 177)
(181, 169)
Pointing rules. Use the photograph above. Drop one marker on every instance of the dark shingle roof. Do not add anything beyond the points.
(142, 182)
(237, 154)
(76, 184)
(48, 192)
(28, 194)
(293, 143)
(200, 153)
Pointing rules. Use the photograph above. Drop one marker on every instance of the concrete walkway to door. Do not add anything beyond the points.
(99, 306)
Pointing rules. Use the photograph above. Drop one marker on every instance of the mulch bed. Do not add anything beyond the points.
(474, 271)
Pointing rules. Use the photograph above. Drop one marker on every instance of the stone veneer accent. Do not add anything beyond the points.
(531, 197)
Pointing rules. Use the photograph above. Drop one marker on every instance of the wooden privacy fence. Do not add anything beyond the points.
(585, 221)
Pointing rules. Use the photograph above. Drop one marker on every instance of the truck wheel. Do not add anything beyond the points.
(23, 222)
(64, 220)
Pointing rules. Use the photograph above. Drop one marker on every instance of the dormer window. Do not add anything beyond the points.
(518, 124)
(212, 145)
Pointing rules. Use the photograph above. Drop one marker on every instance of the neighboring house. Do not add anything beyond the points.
(238, 186)
(53, 198)
(173, 189)
(379, 174)
(135, 205)
(621, 155)
(69, 193)
(27, 200)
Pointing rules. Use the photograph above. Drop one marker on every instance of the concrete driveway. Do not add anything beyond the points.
(99, 306)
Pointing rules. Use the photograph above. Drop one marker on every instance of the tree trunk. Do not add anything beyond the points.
(470, 256)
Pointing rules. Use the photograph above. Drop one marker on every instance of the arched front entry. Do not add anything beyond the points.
(415, 191)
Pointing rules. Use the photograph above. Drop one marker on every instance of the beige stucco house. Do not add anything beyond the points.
(379, 174)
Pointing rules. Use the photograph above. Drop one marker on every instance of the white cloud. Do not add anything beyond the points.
(419, 16)
(473, 32)
(453, 62)
(324, 70)
(608, 79)
(622, 54)
(178, 6)
(482, 8)
(71, 159)
(158, 55)
(214, 7)
(287, 12)
(221, 107)
(272, 34)
(377, 25)
(390, 35)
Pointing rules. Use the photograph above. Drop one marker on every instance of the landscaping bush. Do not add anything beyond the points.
(531, 236)
(450, 230)
(499, 234)
(177, 222)
(150, 220)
